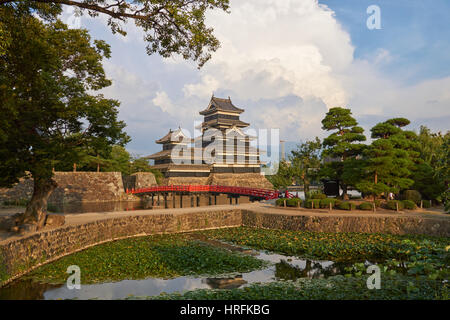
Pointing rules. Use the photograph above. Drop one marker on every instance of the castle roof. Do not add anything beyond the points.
(172, 136)
(219, 104)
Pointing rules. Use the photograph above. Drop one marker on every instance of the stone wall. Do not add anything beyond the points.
(23, 255)
(139, 180)
(73, 186)
(252, 180)
(355, 223)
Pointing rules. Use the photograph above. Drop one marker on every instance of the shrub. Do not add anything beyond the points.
(412, 195)
(308, 203)
(294, 202)
(365, 206)
(345, 205)
(391, 205)
(280, 202)
(426, 204)
(317, 195)
(377, 203)
(325, 203)
(337, 203)
(408, 204)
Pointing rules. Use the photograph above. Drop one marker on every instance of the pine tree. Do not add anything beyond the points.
(390, 159)
(342, 146)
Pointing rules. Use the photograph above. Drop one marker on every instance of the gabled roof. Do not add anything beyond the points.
(172, 136)
(219, 104)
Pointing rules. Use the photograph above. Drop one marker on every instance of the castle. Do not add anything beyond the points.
(222, 155)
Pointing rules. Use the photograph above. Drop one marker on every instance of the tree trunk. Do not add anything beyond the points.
(36, 210)
(344, 192)
(305, 187)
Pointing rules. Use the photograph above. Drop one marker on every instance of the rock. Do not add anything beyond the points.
(55, 220)
(27, 228)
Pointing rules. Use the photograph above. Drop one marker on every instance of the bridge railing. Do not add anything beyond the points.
(255, 192)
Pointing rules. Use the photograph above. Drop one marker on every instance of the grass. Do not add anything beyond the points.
(159, 256)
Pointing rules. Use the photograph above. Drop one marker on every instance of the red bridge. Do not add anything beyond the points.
(266, 194)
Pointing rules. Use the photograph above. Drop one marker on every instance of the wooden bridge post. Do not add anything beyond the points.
(173, 199)
(192, 201)
(215, 199)
(181, 200)
(165, 201)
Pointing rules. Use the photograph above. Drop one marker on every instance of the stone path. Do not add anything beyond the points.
(262, 207)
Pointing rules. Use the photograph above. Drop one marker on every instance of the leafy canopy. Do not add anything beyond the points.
(48, 110)
(170, 26)
(342, 146)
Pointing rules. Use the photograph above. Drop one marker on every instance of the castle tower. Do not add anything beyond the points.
(234, 155)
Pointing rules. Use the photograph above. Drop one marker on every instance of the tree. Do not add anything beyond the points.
(170, 27)
(389, 160)
(48, 112)
(378, 166)
(305, 162)
(431, 147)
(283, 177)
(341, 146)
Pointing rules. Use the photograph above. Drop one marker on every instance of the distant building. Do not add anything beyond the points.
(226, 146)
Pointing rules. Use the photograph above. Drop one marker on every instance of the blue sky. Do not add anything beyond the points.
(286, 63)
(416, 33)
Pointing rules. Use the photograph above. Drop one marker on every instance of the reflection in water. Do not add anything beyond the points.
(282, 268)
(105, 206)
(226, 283)
(25, 290)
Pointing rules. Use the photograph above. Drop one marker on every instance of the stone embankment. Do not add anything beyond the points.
(21, 254)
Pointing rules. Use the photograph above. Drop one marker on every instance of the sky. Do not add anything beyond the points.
(286, 62)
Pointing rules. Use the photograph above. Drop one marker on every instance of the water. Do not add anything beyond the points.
(104, 206)
(282, 268)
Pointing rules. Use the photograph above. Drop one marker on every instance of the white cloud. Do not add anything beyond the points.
(285, 62)
(271, 49)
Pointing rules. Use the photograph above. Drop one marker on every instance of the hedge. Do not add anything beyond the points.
(391, 204)
(366, 206)
(426, 204)
(412, 195)
(317, 196)
(408, 204)
(290, 202)
(325, 203)
(347, 206)
(294, 202)
(308, 203)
